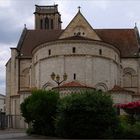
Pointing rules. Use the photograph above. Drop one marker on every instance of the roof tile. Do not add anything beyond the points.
(34, 38)
(75, 84)
(123, 39)
(117, 88)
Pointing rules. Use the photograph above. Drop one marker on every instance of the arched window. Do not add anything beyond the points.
(46, 23)
(74, 76)
(41, 24)
(100, 51)
(25, 78)
(49, 52)
(47, 86)
(101, 87)
(129, 77)
(51, 23)
(73, 49)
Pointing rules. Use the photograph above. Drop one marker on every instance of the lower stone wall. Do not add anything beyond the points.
(15, 119)
(121, 97)
(136, 97)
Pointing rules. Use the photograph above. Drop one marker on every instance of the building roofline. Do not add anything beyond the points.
(8, 62)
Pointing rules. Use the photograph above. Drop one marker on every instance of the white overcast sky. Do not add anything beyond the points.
(100, 14)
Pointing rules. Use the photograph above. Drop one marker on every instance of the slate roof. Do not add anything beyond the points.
(123, 39)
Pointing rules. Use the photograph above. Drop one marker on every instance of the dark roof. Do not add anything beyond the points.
(123, 39)
(77, 37)
(34, 38)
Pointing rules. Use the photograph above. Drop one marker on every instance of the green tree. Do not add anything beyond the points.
(39, 109)
(87, 115)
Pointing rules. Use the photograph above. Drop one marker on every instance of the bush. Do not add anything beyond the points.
(86, 115)
(129, 130)
(39, 110)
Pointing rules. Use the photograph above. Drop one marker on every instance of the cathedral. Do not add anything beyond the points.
(76, 58)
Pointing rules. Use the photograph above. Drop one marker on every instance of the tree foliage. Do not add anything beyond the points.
(39, 109)
(129, 130)
(86, 115)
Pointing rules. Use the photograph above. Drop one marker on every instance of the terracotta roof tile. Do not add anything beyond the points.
(117, 88)
(75, 84)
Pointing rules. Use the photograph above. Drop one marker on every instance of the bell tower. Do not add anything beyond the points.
(47, 17)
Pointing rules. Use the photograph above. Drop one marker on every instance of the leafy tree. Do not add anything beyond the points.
(39, 109)
(87, 115)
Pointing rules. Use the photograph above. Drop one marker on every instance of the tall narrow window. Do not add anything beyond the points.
(100, 51)
(74, 76)
(41, 24)
(73, 49)
(49, 51)
(51, 23)
(46, 23)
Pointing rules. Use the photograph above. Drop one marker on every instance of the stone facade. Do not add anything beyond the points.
(2, 103)
(86, 62)
(47, 17)
(99, 58)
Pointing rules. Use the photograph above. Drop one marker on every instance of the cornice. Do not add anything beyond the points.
(75, 55)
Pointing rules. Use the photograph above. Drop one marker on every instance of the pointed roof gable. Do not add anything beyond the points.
(79, 26)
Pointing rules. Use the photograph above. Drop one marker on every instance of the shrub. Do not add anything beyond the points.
(129, 130)
(39, 109)
(86, 115)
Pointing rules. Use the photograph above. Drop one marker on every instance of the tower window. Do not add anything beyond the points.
(100, 51)
(41, 24)
(51, 23)
(74, 76)
(46, 23)
(79, 33)
(49, 51)
(73, 49)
